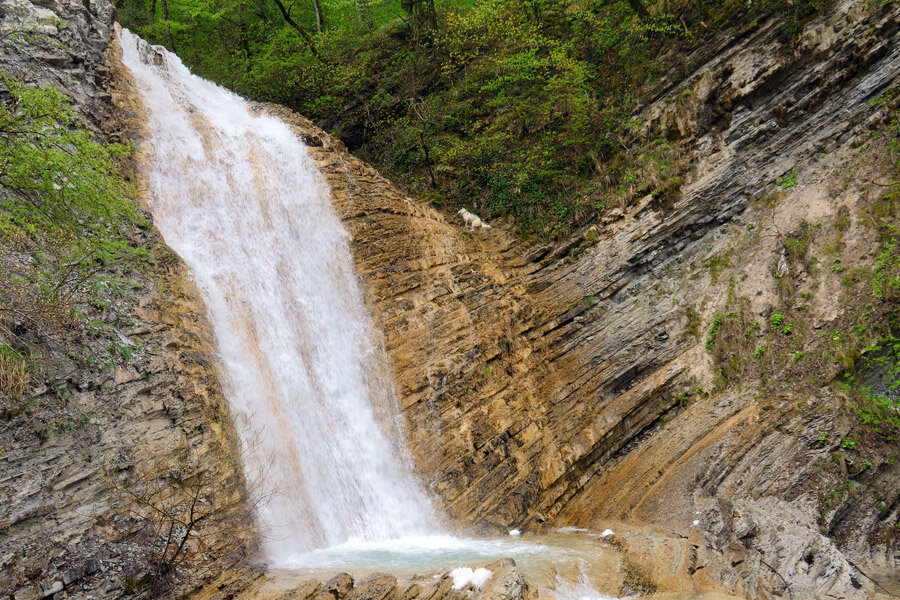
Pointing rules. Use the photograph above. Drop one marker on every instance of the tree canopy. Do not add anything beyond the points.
(511, 107)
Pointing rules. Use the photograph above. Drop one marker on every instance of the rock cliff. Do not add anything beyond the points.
(582, 381)
(123, 412)
(671, 365)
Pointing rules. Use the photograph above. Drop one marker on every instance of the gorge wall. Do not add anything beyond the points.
(570, 383)
(123, 414)
(564, 383)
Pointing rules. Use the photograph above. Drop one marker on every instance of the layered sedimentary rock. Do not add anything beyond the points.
(568, 382)
(503, 582)
(126, 394)
(536, 381)
(65, 519)
(60, 44)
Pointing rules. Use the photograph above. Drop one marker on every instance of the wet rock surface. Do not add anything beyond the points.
(568, 383)
(506, 583)
(548, 384)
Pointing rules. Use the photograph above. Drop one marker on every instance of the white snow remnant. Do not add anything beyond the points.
(463, 576)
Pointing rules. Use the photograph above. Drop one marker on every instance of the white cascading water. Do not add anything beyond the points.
(238, 197)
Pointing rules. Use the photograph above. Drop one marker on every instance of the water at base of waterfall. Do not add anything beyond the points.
(563, 561)
(568, 564)
(411, 554)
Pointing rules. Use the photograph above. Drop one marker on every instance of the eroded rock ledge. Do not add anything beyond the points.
(128, 394)
(506, 582)
(544, 384)
(569, 383)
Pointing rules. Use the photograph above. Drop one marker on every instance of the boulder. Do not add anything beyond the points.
(339, 585)
(306, 590)
(375, 587)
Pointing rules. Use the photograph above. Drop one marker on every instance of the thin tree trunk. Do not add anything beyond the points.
(303, 33)
(432, 14)
(169, 41)
(320, 22)
(362, 12)
(153, 9)
(245, 36)
(427, 158)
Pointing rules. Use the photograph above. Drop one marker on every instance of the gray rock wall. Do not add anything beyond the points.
(128, 393)
(59, 43)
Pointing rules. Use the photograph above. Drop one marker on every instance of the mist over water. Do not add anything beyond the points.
(241, 201)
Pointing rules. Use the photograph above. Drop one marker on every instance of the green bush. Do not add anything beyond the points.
(63, 204)
(58, 181)
(879, 412)
(13, 373)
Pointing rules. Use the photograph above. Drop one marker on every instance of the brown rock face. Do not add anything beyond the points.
(537, 381)
(305, 591)
(376, 587)
(545, 384)
(339, 585)
(71, 521)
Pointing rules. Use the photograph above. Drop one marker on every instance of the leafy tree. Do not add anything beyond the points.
(511, 107)
(62, 202)
(57, 179)
(423, 10)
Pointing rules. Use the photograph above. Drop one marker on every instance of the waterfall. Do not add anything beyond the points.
(241, 201)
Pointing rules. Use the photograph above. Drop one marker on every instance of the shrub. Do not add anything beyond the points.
(13, 373)
(63, 204)
(512, 108)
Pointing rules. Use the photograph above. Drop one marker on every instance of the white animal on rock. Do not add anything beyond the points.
(472, 220)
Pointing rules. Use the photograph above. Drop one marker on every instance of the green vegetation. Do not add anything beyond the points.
(65, 220)
(881, 318)
(713, 332)
(731, 344)
(519, 108)
(13, 373)
(858, 357)
(797, 244)
(693, 318)
(878, 412)
(787, 181)
(716, 264)
(60, 185)
(776, 320)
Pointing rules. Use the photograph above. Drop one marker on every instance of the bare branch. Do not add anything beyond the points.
(285, 13)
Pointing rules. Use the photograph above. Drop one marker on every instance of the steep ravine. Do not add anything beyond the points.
(544, 384)
(123, 414)
(564, 383)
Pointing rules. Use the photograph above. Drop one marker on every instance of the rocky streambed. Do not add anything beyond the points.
(564, 565)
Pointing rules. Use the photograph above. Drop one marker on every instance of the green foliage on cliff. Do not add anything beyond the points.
(880, 411)
(65, 214)
(57, 180)
(508, 107)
